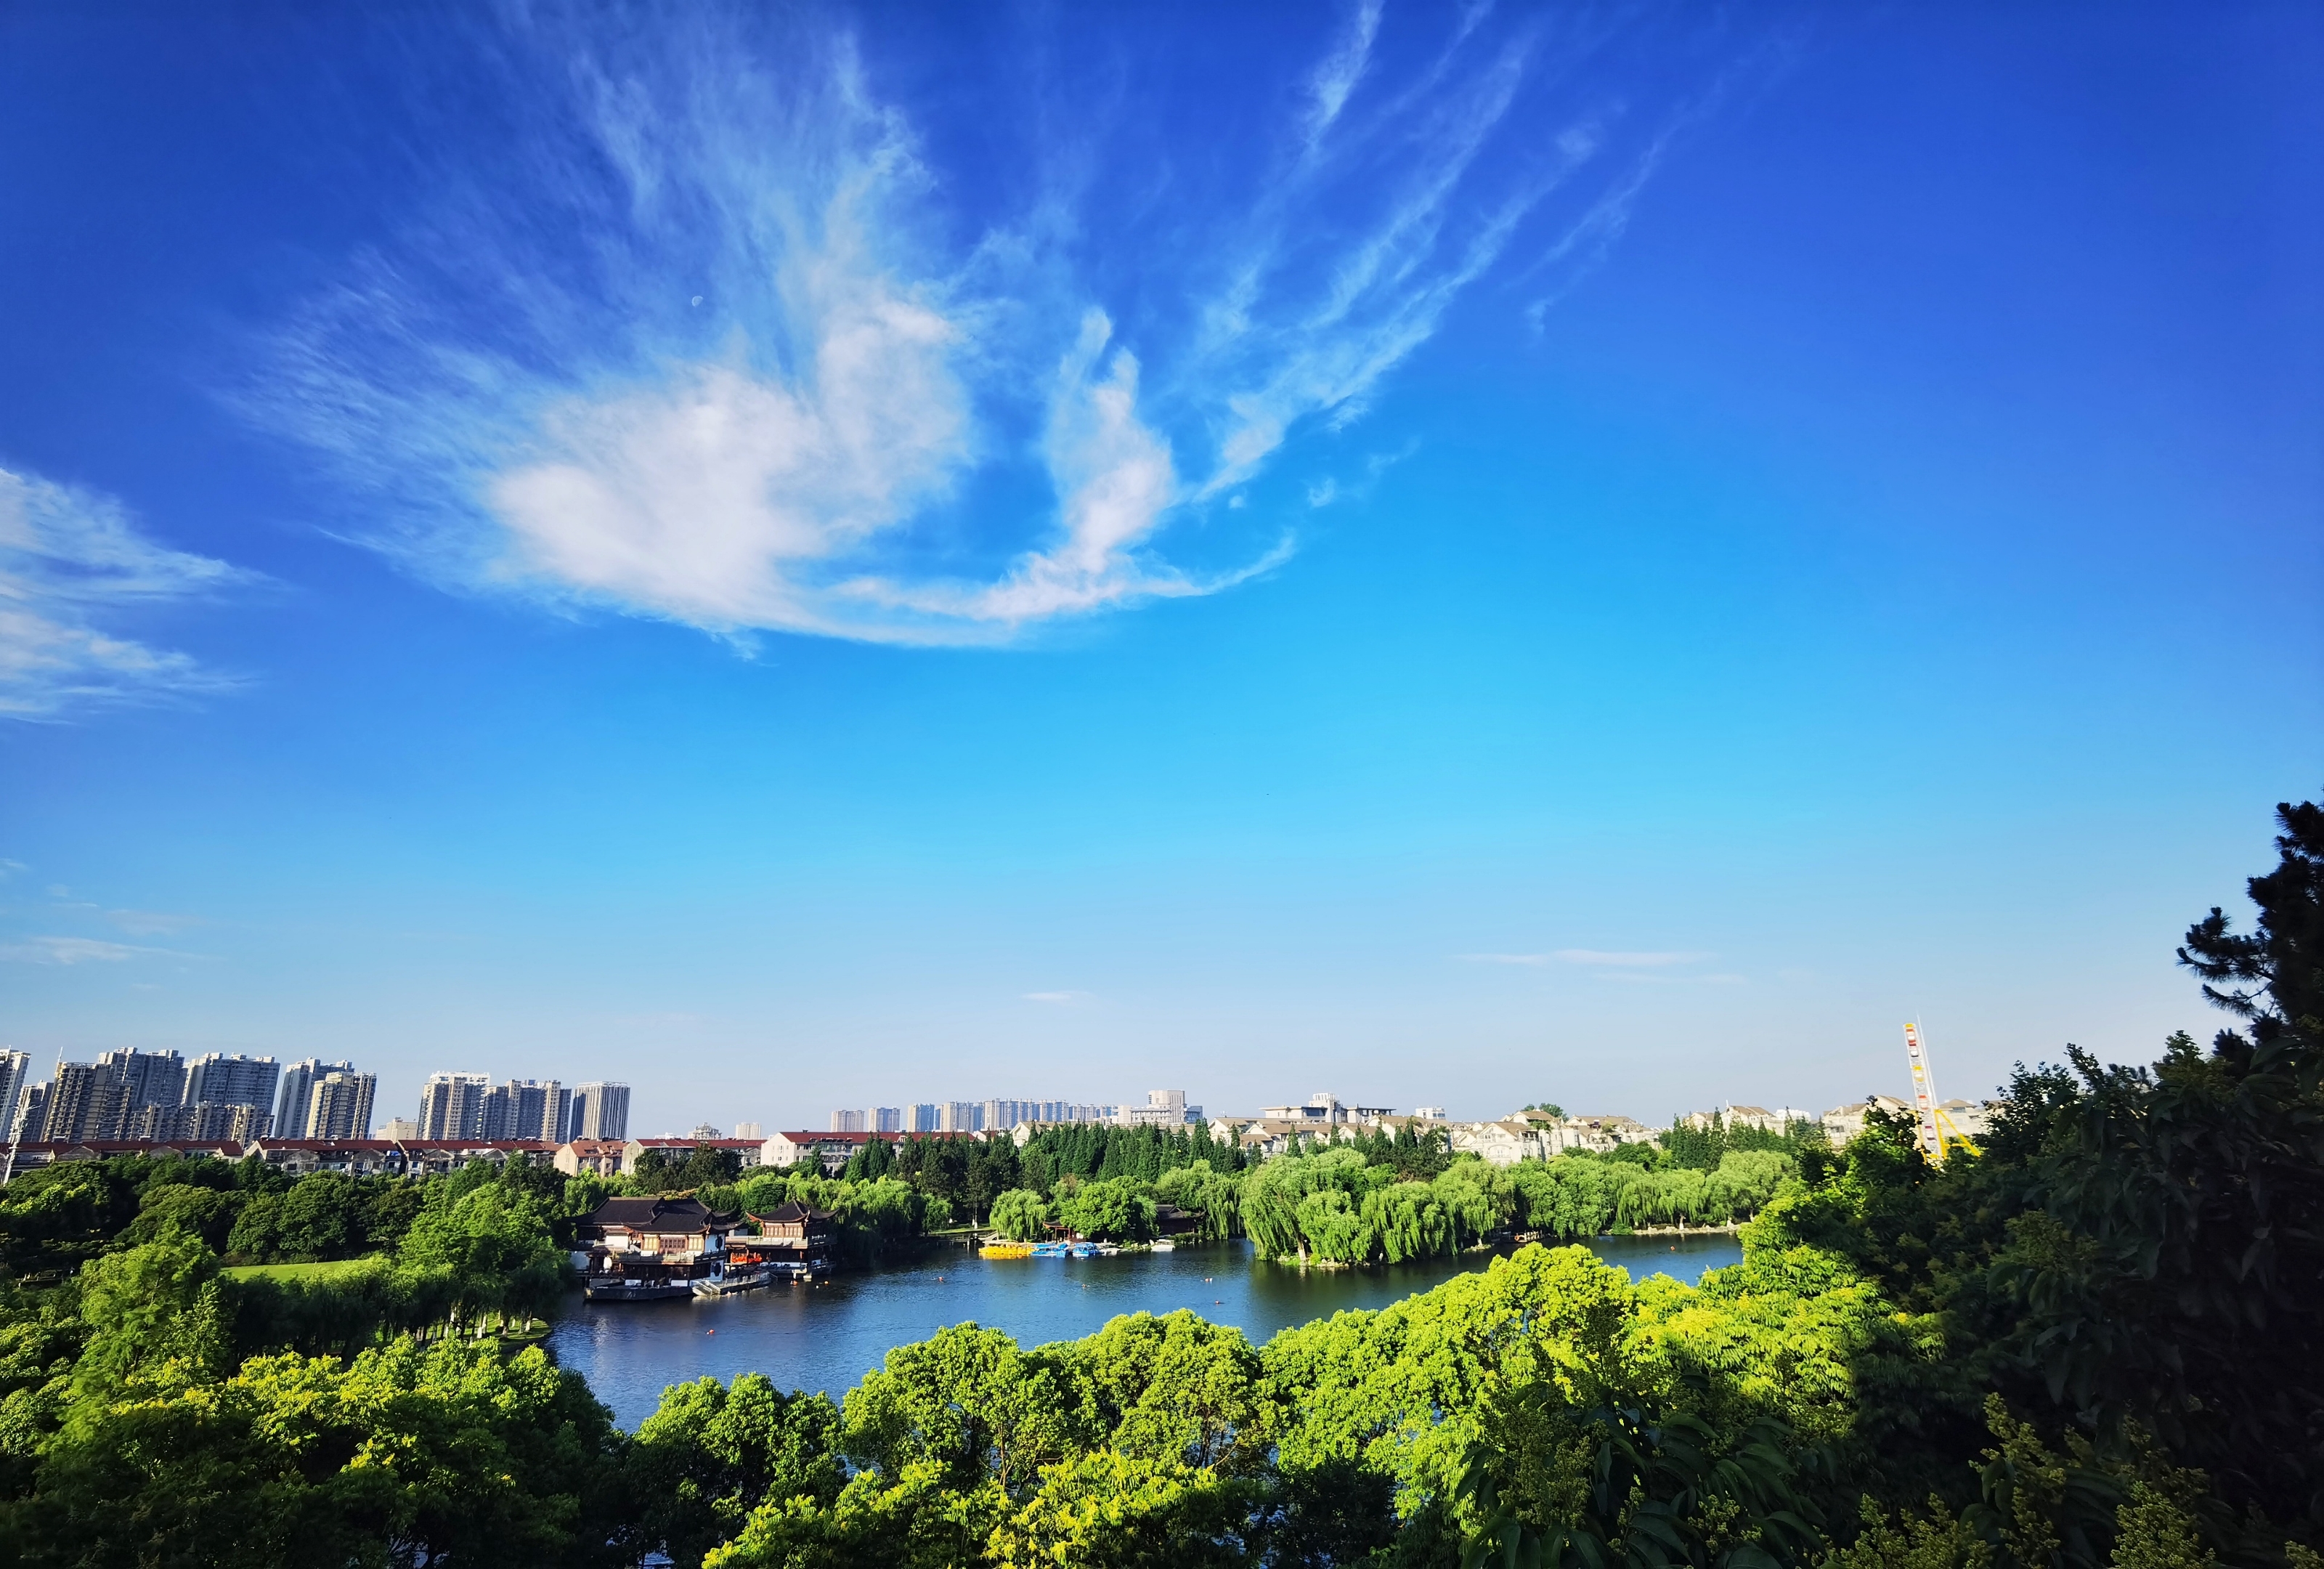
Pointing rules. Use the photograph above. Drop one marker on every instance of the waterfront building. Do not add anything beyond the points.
(601, 1110)
(795, 1238)
(339, 1106)
(673, 1228)
(293, 1102)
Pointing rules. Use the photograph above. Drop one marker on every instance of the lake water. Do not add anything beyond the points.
(826, 1337)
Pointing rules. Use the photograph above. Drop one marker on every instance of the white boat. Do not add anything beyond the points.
(1164, 1245)
(726, 1280)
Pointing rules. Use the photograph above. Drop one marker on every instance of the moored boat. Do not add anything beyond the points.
(1006, 1249)
(734, 1277)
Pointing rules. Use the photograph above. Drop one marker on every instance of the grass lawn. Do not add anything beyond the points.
(296, 1272)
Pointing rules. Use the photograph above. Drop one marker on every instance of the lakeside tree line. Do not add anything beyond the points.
(2094, 1344)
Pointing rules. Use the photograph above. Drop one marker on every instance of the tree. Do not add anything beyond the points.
(710, 1455)
(1019, 1214)
(1107, 1212)
(403, 1457)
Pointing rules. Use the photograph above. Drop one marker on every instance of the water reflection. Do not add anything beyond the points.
(826, 1337)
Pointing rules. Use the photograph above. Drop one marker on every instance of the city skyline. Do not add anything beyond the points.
(1476, 559)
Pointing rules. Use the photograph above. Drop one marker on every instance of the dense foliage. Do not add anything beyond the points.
(2094, 1344)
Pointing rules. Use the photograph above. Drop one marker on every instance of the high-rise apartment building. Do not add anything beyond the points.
(961, 1117)
(29, 1118)
(926, 1116)
(338, 1106)
(527, 1109)
(218, 1080)
(210, 1122)
(85, 1102)
(452, 1105)
(296, 1098)
(147, 1078)
(847, 1121)
(15, 1074)
(601, 1110)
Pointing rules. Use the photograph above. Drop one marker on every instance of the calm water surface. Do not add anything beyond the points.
(826, 1337)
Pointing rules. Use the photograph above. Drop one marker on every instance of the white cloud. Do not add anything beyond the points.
(71, 565)
(1336, 77)
(1601, 958)
(708, 340)
(69, 951)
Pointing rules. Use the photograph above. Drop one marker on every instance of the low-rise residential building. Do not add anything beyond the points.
(1843, 1124)
(833, 1151)
(676, 1151)
(1504, 1142)
(590, 1156)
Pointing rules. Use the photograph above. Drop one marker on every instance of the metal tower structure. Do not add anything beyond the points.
(1937, 1129)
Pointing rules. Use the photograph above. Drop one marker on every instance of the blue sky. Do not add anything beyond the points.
(804, 557)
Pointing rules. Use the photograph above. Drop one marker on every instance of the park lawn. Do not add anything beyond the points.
(300, 1271)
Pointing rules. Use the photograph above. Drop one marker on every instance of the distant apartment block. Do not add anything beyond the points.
(750, 1131)
(220, 1080)
(147, 1078)
(1163, 1109)
(452, 1105)
(15, 1078)
(992, 1116)
(338, 1106)
(29, 1124)
(600, 1110)
(527, 1109)
(293, 1102)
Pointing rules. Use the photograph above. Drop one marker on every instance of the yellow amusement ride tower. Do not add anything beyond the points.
(1937, 1134)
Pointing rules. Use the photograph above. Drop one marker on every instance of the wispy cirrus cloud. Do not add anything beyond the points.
(53, 950)
(711, 334)
(73, 566)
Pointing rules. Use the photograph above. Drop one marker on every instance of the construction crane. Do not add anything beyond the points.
(1938, 1131)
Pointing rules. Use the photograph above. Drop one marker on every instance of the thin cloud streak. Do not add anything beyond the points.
(51, 950)
(71, 563)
